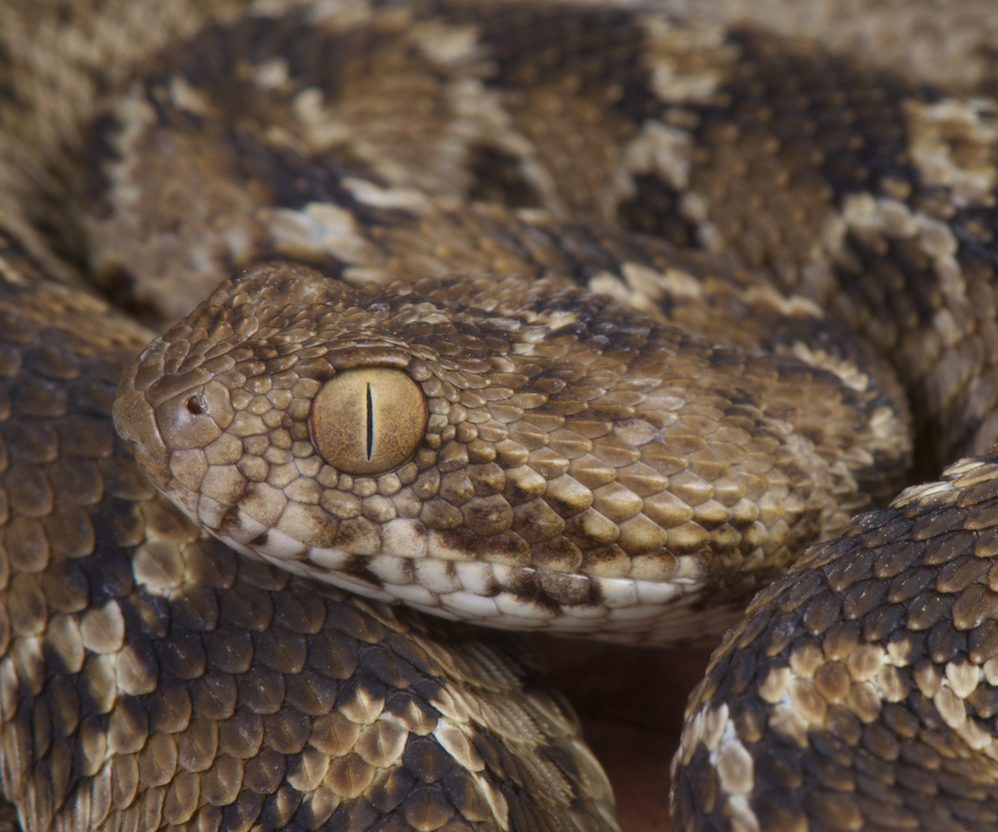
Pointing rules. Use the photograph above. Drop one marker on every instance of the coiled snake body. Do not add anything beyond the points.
(579, 319)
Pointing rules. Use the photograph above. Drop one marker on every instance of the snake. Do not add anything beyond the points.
(336, 329)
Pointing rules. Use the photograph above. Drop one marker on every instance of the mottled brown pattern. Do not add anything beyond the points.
(153, 679)
(949, 42)
(860, 690)
(622, 437)
(563, 455)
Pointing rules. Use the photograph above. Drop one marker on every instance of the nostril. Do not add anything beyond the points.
(195, 405)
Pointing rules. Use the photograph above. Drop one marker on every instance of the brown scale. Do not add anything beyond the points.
(417, 238)
(581, 398)
(156, 679)
(910, 36)
(863, 684)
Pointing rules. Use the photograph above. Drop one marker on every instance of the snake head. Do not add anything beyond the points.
(519, 451)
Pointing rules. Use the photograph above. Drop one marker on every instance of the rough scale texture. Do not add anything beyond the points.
(860, 691)
(623, 437)
(153, 679)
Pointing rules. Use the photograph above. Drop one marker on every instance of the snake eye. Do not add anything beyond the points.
(367, 421)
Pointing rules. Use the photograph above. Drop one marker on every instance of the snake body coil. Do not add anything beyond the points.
(556, 317)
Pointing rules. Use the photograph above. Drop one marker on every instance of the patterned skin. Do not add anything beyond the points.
(609, 433)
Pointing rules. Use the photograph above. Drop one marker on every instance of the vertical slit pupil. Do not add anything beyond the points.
(370, 422)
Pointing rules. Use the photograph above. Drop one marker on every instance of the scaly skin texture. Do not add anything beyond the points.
(620, 437)
(564, 482)
(860, 690)
(698, 467)
(153, 679)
